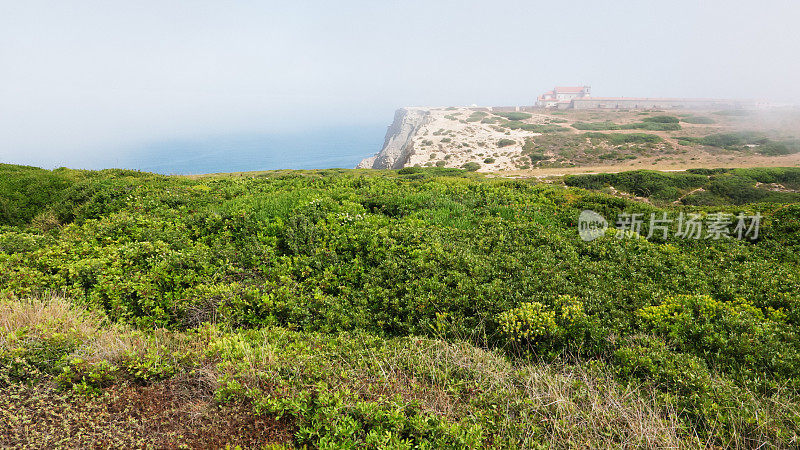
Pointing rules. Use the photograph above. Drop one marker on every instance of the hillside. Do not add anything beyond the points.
(540, 142)
(425, 307)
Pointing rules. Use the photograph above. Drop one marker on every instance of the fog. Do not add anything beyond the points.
(89, 79)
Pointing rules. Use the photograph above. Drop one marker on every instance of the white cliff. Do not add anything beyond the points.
(398, 146)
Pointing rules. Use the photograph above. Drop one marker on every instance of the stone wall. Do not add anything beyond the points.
(645, 103)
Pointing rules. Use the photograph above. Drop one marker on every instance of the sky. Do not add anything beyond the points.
(80, 79)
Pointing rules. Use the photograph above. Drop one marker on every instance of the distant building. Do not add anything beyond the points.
(561, 96)
(577, 97)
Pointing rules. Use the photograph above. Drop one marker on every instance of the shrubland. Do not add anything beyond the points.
(655, 123)
(624, 138)
(701, 120)
(514, 115)
(746, 141)
(709, 187)
(420, 308)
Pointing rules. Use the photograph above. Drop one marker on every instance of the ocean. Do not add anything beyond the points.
(339, 147)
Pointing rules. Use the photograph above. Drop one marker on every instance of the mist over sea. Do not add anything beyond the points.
(338, 147)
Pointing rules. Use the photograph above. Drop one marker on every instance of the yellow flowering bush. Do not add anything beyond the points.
(528, 322)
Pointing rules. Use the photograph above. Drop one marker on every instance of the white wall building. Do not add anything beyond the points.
(561, 96)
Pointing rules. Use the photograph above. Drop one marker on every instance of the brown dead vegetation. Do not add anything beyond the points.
(177, 413)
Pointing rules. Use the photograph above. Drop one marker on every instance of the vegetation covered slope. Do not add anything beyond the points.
(707, 187)
(425, 308)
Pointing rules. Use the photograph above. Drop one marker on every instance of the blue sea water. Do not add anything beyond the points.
(339, 147)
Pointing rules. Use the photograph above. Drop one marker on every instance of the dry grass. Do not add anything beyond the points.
(45, 315)
(573, 406)
(40, 318)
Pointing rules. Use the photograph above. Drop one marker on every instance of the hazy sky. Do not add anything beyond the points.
(80, 77)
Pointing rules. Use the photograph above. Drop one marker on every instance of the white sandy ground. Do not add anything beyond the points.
(469, 142)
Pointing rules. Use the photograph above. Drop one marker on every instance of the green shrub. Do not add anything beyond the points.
(745, 139)
(538, 330)
(719, 186)
(531, 323)
(652, 126)
(642, 183)
(723, 140)
(514, 115)
(471, 166)
(25, 192)
(506, 142)
(778, 148)
(409, 170)
(538, 128)
(595, 126)
(476, 116)
(652, 360)
(661, 119)
(736, 337)
(698, 120)
(625, 138)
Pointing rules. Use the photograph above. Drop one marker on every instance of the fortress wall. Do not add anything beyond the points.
(643, 103)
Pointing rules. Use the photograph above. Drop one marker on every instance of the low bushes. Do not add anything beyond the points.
(319, 296)
(625, 138)
(506, 142)
(650, 126)
(642, 183)
(350, 389)
(27, 191)
(546, 128)
(742, 141)
(680, 378)
(719, 186)
(513, 115)
(595, 126)
(661, 119)
(471, 166)
(535, 329)
(735, 337)
(534, 127)
(778, 148)
(477, 116)
(698, 120)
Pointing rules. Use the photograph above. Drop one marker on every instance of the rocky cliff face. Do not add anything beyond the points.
(398, 146)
